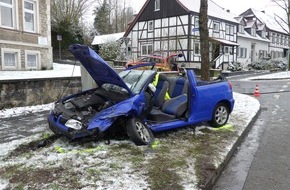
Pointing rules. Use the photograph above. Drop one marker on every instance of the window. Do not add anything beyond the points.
(273, 38)
(227, 29)
(216, 26)
(231, 30)
(253, 31)
(150, 26)
(29, 16)
(196, 48)
(262, 54)
(157, 5)
(32, 59)
(10, 59)
(263, 34)
(6, 13)
(196, 22)
(228, 50)
(146, 49)
(242, 52)
(241, 29)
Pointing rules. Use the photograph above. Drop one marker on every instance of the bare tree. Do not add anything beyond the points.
(204, 40)
(117, 16)
(67, 11)
(284, 22)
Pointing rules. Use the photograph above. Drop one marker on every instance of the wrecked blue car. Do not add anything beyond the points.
(138, 102)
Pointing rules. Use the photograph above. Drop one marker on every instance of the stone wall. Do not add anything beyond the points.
(27, 92)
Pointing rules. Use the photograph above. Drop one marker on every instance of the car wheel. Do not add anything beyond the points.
(138, 132)
(220, 115)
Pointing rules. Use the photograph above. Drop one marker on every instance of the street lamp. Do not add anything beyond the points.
(59, 39)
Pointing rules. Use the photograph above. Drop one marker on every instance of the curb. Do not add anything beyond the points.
(211, 182)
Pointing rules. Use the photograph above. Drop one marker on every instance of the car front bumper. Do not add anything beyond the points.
(60, 129)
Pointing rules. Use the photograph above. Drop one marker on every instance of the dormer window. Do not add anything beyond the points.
(263, 34)
(253, 32)
(156, 5)
(241, 29)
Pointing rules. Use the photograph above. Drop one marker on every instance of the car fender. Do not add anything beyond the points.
(131, 107)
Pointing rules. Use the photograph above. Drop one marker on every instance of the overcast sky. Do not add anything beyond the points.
(235, 6)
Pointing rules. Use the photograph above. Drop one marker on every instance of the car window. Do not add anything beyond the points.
(134, 79)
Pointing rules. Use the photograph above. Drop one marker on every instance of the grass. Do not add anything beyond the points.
(167, 164)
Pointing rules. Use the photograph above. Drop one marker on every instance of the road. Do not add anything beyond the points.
(22, 126)
(262, 161)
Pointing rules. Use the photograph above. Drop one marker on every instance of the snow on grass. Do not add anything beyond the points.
(6, 113)
(122, 165)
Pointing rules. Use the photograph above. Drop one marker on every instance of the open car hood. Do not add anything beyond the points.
(100, 71)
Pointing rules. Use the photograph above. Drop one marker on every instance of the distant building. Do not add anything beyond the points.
(264, 29)
(25, 35)
(172, 26)
(253, 43)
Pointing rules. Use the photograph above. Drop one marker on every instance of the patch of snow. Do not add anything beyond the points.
(6, 113)
(278, 75)
(59, 70)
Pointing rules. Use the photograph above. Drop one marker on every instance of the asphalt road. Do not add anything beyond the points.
(262, 161)
(22, 126)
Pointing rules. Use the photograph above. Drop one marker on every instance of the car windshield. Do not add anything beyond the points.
(134, 79)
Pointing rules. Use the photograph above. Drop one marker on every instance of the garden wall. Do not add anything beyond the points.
(27, 92)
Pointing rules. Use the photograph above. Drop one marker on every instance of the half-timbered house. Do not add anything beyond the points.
(167, 26)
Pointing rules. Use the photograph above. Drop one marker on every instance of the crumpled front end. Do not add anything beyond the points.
(75, 124)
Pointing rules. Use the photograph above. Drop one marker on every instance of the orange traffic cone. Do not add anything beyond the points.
(257, 93)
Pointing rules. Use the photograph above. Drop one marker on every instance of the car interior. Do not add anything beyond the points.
(174, 108)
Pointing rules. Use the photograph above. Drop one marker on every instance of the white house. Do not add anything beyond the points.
(253, 43)
(268, 28)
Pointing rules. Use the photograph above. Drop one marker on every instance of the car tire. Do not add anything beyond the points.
(138, 132)
(220, 115)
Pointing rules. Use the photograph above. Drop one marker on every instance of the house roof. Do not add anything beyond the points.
(261, 26)
(248, 36)
(251, 24)
(102, 39)
(269, 21)
(226, 42)
(214, 9)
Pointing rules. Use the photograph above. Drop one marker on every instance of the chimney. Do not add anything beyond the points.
(263, 11)
(228, 10)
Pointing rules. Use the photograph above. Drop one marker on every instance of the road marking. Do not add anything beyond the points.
(276, 96)
(282, 90)
(285, 86)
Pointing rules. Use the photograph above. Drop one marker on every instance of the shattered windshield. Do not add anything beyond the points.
(134, 79)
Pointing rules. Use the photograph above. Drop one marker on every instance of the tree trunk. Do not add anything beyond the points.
(204, 40)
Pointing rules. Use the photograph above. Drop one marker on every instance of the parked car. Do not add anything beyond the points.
(163, 63)
(128, 102)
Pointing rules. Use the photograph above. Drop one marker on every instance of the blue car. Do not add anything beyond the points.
(138, 102)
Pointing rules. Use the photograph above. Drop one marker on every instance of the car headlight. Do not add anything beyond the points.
(74, 124)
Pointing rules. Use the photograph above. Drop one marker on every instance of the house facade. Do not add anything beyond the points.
(253, 43)
(167, 26)
(25, 35)
(265, 28)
